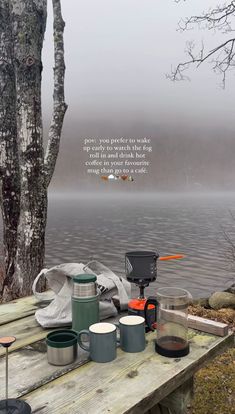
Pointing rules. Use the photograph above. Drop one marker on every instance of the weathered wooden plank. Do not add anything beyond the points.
(20, 308)
(164, 410)
(207, 325)
(132, 384)
(26, 331)
(29, 369)
(195, 322)
(179, 399)
(159, 409)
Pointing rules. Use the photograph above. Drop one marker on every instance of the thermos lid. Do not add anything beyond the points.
(61, 338)
(86, 278)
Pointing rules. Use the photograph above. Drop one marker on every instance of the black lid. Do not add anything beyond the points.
(14, 406)
(85, 278)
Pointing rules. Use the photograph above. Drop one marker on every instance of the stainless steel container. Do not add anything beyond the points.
(61, 347)
(84, 286)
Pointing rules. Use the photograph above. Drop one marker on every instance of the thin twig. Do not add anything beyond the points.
(218, 18)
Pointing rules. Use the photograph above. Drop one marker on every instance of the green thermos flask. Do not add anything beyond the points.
(85, 302)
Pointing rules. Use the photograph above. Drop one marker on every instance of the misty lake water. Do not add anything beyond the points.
(103, 228)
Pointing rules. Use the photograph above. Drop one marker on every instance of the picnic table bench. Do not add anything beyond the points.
(138, 383)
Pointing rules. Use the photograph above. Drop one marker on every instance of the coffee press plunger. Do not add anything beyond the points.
(11, 405)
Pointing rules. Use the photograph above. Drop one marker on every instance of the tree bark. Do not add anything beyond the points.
(9, 165)
(25, 172)
(26, 157)
(59, 107)
(29, 22)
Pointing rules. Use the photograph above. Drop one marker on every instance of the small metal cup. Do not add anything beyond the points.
(61, 347)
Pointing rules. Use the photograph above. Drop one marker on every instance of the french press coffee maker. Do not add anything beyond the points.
(172, 321)
(11, 405)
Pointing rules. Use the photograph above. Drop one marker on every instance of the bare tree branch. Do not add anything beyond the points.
(216, 18)
(221, 63)
(59, 105)
(222, 57)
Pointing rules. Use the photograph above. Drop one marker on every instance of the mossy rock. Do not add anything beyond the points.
(220, 300)
(201, 302)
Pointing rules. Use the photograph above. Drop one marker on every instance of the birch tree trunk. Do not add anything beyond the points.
(9, 167)
(28, 23)
(30, 172)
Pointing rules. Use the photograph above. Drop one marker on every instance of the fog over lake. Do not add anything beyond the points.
(117, 56)
(85, 227)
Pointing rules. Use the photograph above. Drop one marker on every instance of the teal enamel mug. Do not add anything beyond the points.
(132, 333)
(102, 341)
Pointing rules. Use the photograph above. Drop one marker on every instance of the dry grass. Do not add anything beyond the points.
(225, 315)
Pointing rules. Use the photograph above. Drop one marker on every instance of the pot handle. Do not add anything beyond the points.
(150, 301)
(81, 344)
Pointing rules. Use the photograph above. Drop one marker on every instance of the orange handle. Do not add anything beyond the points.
(176, 256)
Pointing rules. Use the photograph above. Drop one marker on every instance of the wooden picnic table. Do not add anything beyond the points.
(137, 383)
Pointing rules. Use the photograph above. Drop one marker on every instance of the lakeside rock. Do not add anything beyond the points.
(204, 302)
(220, 300)
(217, 300)
(231, 289)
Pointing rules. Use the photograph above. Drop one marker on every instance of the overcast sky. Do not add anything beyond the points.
(118, 53)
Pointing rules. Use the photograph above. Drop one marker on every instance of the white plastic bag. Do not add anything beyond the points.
(60, 281)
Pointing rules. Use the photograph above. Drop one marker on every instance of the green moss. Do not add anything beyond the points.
(215, 386)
